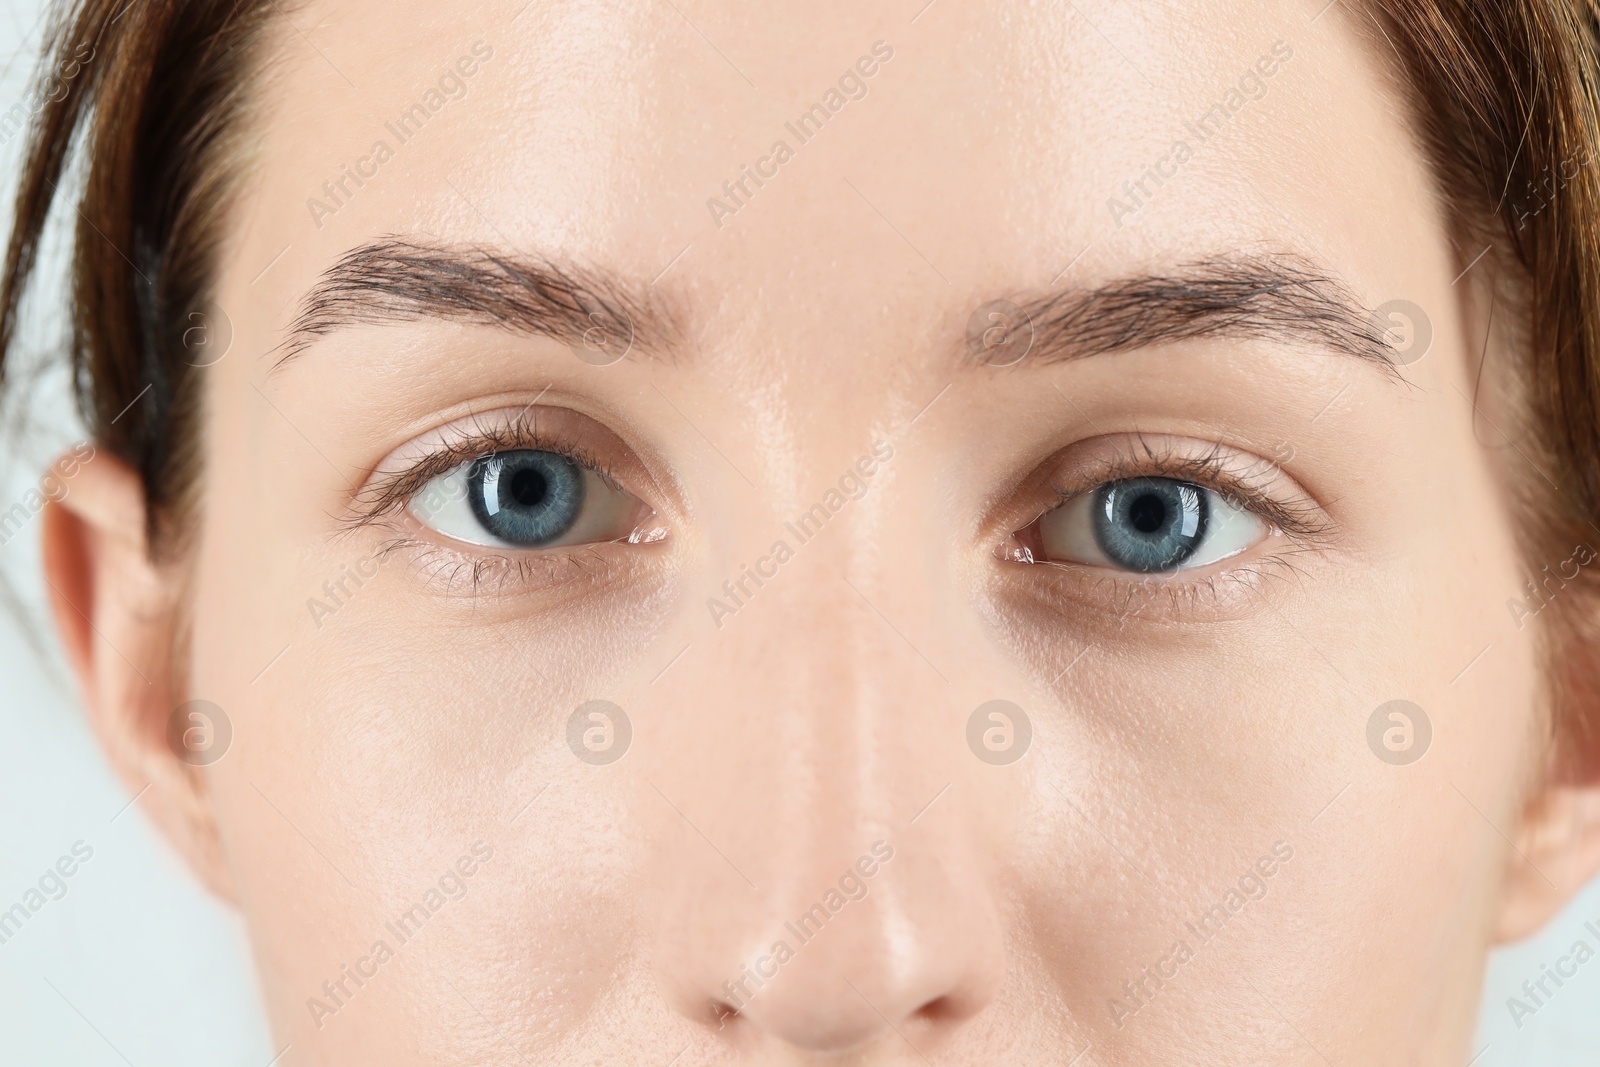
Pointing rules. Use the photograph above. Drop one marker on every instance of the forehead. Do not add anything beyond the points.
(785, 158)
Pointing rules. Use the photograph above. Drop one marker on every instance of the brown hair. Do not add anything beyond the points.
(1505, 102)
(157, 108)
(1503, 93)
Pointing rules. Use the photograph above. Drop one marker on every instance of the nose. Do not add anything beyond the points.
(910, 959)
(897, 952)
(812, 896)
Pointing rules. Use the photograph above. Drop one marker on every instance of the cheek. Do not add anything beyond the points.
(1190, 752)
(367, 769)
(379, 731)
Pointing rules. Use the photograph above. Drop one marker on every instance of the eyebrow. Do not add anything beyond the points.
(1265, 297)
(1269, 297)
(394, 281)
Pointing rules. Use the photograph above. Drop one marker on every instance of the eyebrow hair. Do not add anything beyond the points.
(394, 281)
(1273, 297)
(1270, 297)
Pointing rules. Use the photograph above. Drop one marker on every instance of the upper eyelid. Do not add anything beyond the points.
(1299, 517)
(387, 491)
(1166, 462)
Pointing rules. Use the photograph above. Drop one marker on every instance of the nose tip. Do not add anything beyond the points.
(900, 953)
(855, 998)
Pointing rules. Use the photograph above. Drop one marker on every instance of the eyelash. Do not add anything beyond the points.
(1299, 519)
(393, 491)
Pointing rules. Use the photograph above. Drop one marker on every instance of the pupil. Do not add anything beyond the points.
(1148, 513)
(528, 487)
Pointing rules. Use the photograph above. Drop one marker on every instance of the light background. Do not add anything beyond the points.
(137, 966)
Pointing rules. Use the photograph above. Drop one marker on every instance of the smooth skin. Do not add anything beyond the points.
(1187, 729)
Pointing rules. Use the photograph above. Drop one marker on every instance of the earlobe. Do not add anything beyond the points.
(118, 614)
(1559, 842)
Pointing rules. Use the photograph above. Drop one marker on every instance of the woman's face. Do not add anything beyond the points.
(611, 576)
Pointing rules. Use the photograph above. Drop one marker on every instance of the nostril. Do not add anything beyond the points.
(949, 1009)
(939, 1009)
(723, 1015)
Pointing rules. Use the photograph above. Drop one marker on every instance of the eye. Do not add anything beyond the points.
(1148, 525)
(527, 498)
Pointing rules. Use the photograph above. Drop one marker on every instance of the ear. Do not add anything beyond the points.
(118, 614)
(1558, 835)
(1559, 842)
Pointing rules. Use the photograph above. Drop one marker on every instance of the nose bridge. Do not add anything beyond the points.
(814, 680)
(811, 908)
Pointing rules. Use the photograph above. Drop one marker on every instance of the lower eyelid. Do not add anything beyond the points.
(474, 572)
(1103, 597)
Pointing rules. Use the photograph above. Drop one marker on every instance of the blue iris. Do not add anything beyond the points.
(525, 497)
(1150, 524)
